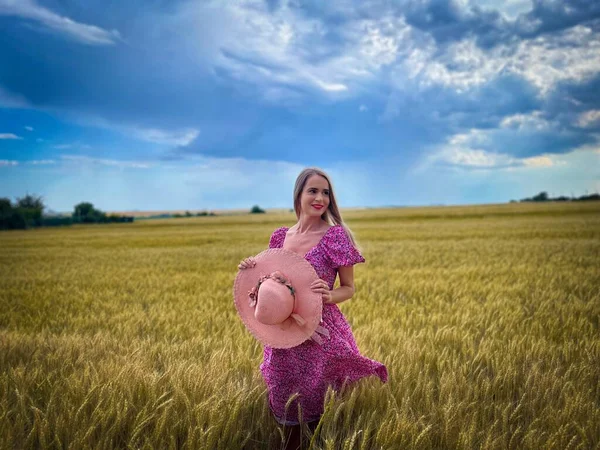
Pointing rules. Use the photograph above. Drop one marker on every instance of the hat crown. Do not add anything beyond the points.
(275, 302)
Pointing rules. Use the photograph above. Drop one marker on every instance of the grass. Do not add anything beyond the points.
(125, 335)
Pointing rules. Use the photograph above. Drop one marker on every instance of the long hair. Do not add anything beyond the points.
(332, 214)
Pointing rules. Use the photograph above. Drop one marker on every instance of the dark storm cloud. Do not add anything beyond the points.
(549, 16)
(450, 21)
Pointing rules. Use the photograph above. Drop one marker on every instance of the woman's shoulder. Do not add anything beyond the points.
(334, 236)
(334, 232)
(280, 230)
(277, 237)
(339, 247)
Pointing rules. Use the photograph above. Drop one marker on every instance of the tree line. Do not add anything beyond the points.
(543, 197)
(28, 212)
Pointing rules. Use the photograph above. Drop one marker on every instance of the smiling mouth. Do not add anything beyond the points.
(317, 206)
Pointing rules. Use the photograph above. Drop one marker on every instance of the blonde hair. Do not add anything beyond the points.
(332, 215)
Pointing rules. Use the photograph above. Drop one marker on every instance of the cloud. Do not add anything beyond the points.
(548, 16)
(41, 162)
(284, 47)
(531, 121)
(468, 158)
(520, 140)
(589, 119)
(83, 33)
(181, 138)
(80, 160)
(8, 162)
(28, 128)
(9, 136)
(572, 55)
(511, 9)
(538, 161)
(12, 100)
(523, 136)
(428, 71)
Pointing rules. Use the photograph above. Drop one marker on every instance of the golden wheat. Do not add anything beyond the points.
(125, 335)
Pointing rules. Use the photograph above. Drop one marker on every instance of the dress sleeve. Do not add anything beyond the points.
(339, 248)
(277, 237)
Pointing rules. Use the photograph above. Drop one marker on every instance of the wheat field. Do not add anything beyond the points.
(487, 317)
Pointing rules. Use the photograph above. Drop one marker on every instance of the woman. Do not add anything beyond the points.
(321, 237)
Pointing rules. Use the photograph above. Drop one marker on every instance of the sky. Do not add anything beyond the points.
(205, 105)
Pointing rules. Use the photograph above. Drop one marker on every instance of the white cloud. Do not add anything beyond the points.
(571, 55)
(180, 138)
(480, 159)
(84, 33)
(473, 158)
(538, 161)
(12, 100)
(41, 162)
(28, 128)
(589, 119)
(285, 48)
(9, 136)
(473, 138)
(8, 162)
(81, 160)
(510, 8)
(532, 121)
(461, 150)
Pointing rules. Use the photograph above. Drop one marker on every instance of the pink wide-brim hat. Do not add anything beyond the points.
(308, 305)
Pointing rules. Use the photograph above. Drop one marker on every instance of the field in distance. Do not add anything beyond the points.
(124, 335)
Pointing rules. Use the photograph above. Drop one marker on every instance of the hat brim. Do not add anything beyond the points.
(309, 304)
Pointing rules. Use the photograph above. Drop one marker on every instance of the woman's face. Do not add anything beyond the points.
(314, 194)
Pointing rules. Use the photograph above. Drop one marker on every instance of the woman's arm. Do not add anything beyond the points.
(346, 289)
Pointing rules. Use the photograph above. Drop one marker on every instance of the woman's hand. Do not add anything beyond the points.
(322, 287)
(246, 263)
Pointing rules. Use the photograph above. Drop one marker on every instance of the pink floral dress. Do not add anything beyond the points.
(309, 368)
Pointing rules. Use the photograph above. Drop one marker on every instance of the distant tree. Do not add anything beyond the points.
(256, 210)
(30, 202)
(31, 208)
(543, 197)
(6, 214)
(85, 212)
(83, 209)
(5, 207)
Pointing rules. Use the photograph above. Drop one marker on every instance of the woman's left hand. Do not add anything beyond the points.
(322, 287)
